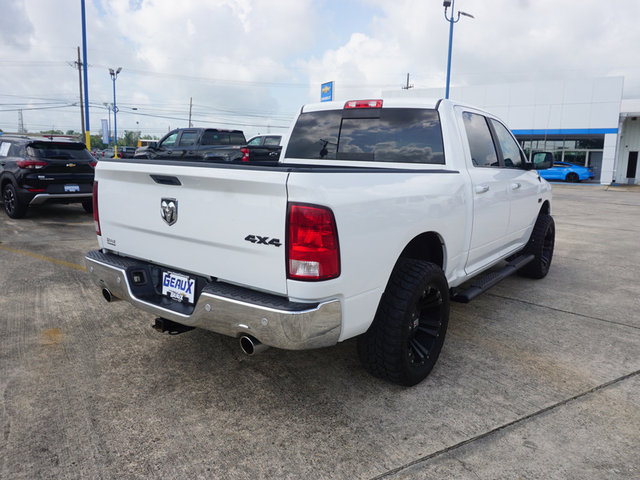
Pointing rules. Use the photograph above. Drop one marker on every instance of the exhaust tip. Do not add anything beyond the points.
(108, 296)
(250, 345)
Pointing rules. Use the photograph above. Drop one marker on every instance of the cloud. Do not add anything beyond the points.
(15, 27)
(252, 63)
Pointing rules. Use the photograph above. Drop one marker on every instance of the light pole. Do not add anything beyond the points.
(108, 105)
(114, 75)
(446, 4)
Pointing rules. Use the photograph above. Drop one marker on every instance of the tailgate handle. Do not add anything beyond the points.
(166, 180)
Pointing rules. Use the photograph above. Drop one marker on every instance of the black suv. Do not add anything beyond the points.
(35, 170)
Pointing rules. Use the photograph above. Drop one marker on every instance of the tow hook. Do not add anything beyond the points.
(172, 328)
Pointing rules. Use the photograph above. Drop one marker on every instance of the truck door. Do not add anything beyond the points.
(489, 191)
(523, 185)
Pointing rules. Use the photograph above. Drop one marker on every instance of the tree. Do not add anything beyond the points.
(96, 143)
(130, 139)
(52, 132)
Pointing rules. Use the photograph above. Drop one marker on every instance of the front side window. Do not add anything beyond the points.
(510, 149)
(483, 151)
(254, 142)
(401, 135)
(170, 141)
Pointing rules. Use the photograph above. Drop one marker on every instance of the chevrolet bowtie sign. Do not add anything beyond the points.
(326, 92)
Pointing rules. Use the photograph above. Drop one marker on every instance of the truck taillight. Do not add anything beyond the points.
(245, 154)
(31, 164)
(313, 253)
(96, 216)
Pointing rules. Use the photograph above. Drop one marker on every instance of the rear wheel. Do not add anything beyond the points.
(88, 206)
(407, 333)
(572, 177)
(541, 245)
(12, 204)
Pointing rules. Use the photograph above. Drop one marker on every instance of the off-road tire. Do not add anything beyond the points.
(541, 245)
(408, 331)
(12, 204)
(88, 205)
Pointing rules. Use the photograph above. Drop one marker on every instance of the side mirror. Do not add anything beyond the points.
(542, 160)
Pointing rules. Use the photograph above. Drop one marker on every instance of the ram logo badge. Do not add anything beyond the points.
(258, 240)
(169, 210)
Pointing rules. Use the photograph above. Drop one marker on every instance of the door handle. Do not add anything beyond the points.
(482, 188)
(515, 186)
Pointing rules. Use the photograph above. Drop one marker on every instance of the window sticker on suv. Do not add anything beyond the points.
(4, 149)
(400, 135)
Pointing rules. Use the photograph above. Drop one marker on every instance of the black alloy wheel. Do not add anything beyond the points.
(541, 245)
(572, 177)
(12, 204)
(406, 336)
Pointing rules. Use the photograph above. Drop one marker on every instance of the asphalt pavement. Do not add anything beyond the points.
(538, 379)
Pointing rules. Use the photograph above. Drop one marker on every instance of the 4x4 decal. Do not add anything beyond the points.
(258, 240)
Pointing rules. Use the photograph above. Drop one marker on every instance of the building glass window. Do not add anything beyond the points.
(579, 150)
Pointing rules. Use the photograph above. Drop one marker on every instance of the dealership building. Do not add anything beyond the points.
(584, 121)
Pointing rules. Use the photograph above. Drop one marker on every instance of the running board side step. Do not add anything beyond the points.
(485, 282)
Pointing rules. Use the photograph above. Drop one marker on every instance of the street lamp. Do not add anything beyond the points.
(108, 105)
(114, 75)
(446, 4)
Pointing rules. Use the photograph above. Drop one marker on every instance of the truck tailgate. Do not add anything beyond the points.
(221, 212)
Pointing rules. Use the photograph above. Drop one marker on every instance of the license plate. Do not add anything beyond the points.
(72, 188)
(178, 287)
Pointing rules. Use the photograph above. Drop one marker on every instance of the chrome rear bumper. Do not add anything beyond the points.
(226, 309)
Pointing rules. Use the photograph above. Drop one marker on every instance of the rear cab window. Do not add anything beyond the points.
(398, 135)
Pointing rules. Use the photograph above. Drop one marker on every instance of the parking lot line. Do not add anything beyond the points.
(42, 257)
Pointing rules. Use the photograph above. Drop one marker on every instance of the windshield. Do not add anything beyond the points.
(62, 151)
(401, 135)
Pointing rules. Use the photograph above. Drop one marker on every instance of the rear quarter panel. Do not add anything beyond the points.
(377, 214)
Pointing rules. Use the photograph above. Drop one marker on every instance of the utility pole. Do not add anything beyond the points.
(407, 87)
(79, 65)
(190, 107)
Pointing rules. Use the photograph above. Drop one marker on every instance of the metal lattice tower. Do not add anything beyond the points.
(21, 128)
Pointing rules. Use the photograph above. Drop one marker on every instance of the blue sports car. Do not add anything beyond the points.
(567, 172)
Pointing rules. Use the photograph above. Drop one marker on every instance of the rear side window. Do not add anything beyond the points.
(483, 151)
(188, 139)
(4, 148)
(400, 135)
(237, 138)
(211, 137)
(60, 151)
(272, 141)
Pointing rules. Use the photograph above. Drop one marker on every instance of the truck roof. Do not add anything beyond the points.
(393, 102)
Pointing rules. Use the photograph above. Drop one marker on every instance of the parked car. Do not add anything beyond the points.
(264, 148)
(126, 152)
(36, 170)
(567, 172)
(198, 144)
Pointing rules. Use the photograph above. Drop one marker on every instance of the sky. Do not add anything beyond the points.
(251, 64)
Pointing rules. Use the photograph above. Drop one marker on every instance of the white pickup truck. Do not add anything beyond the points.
(376, 215)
